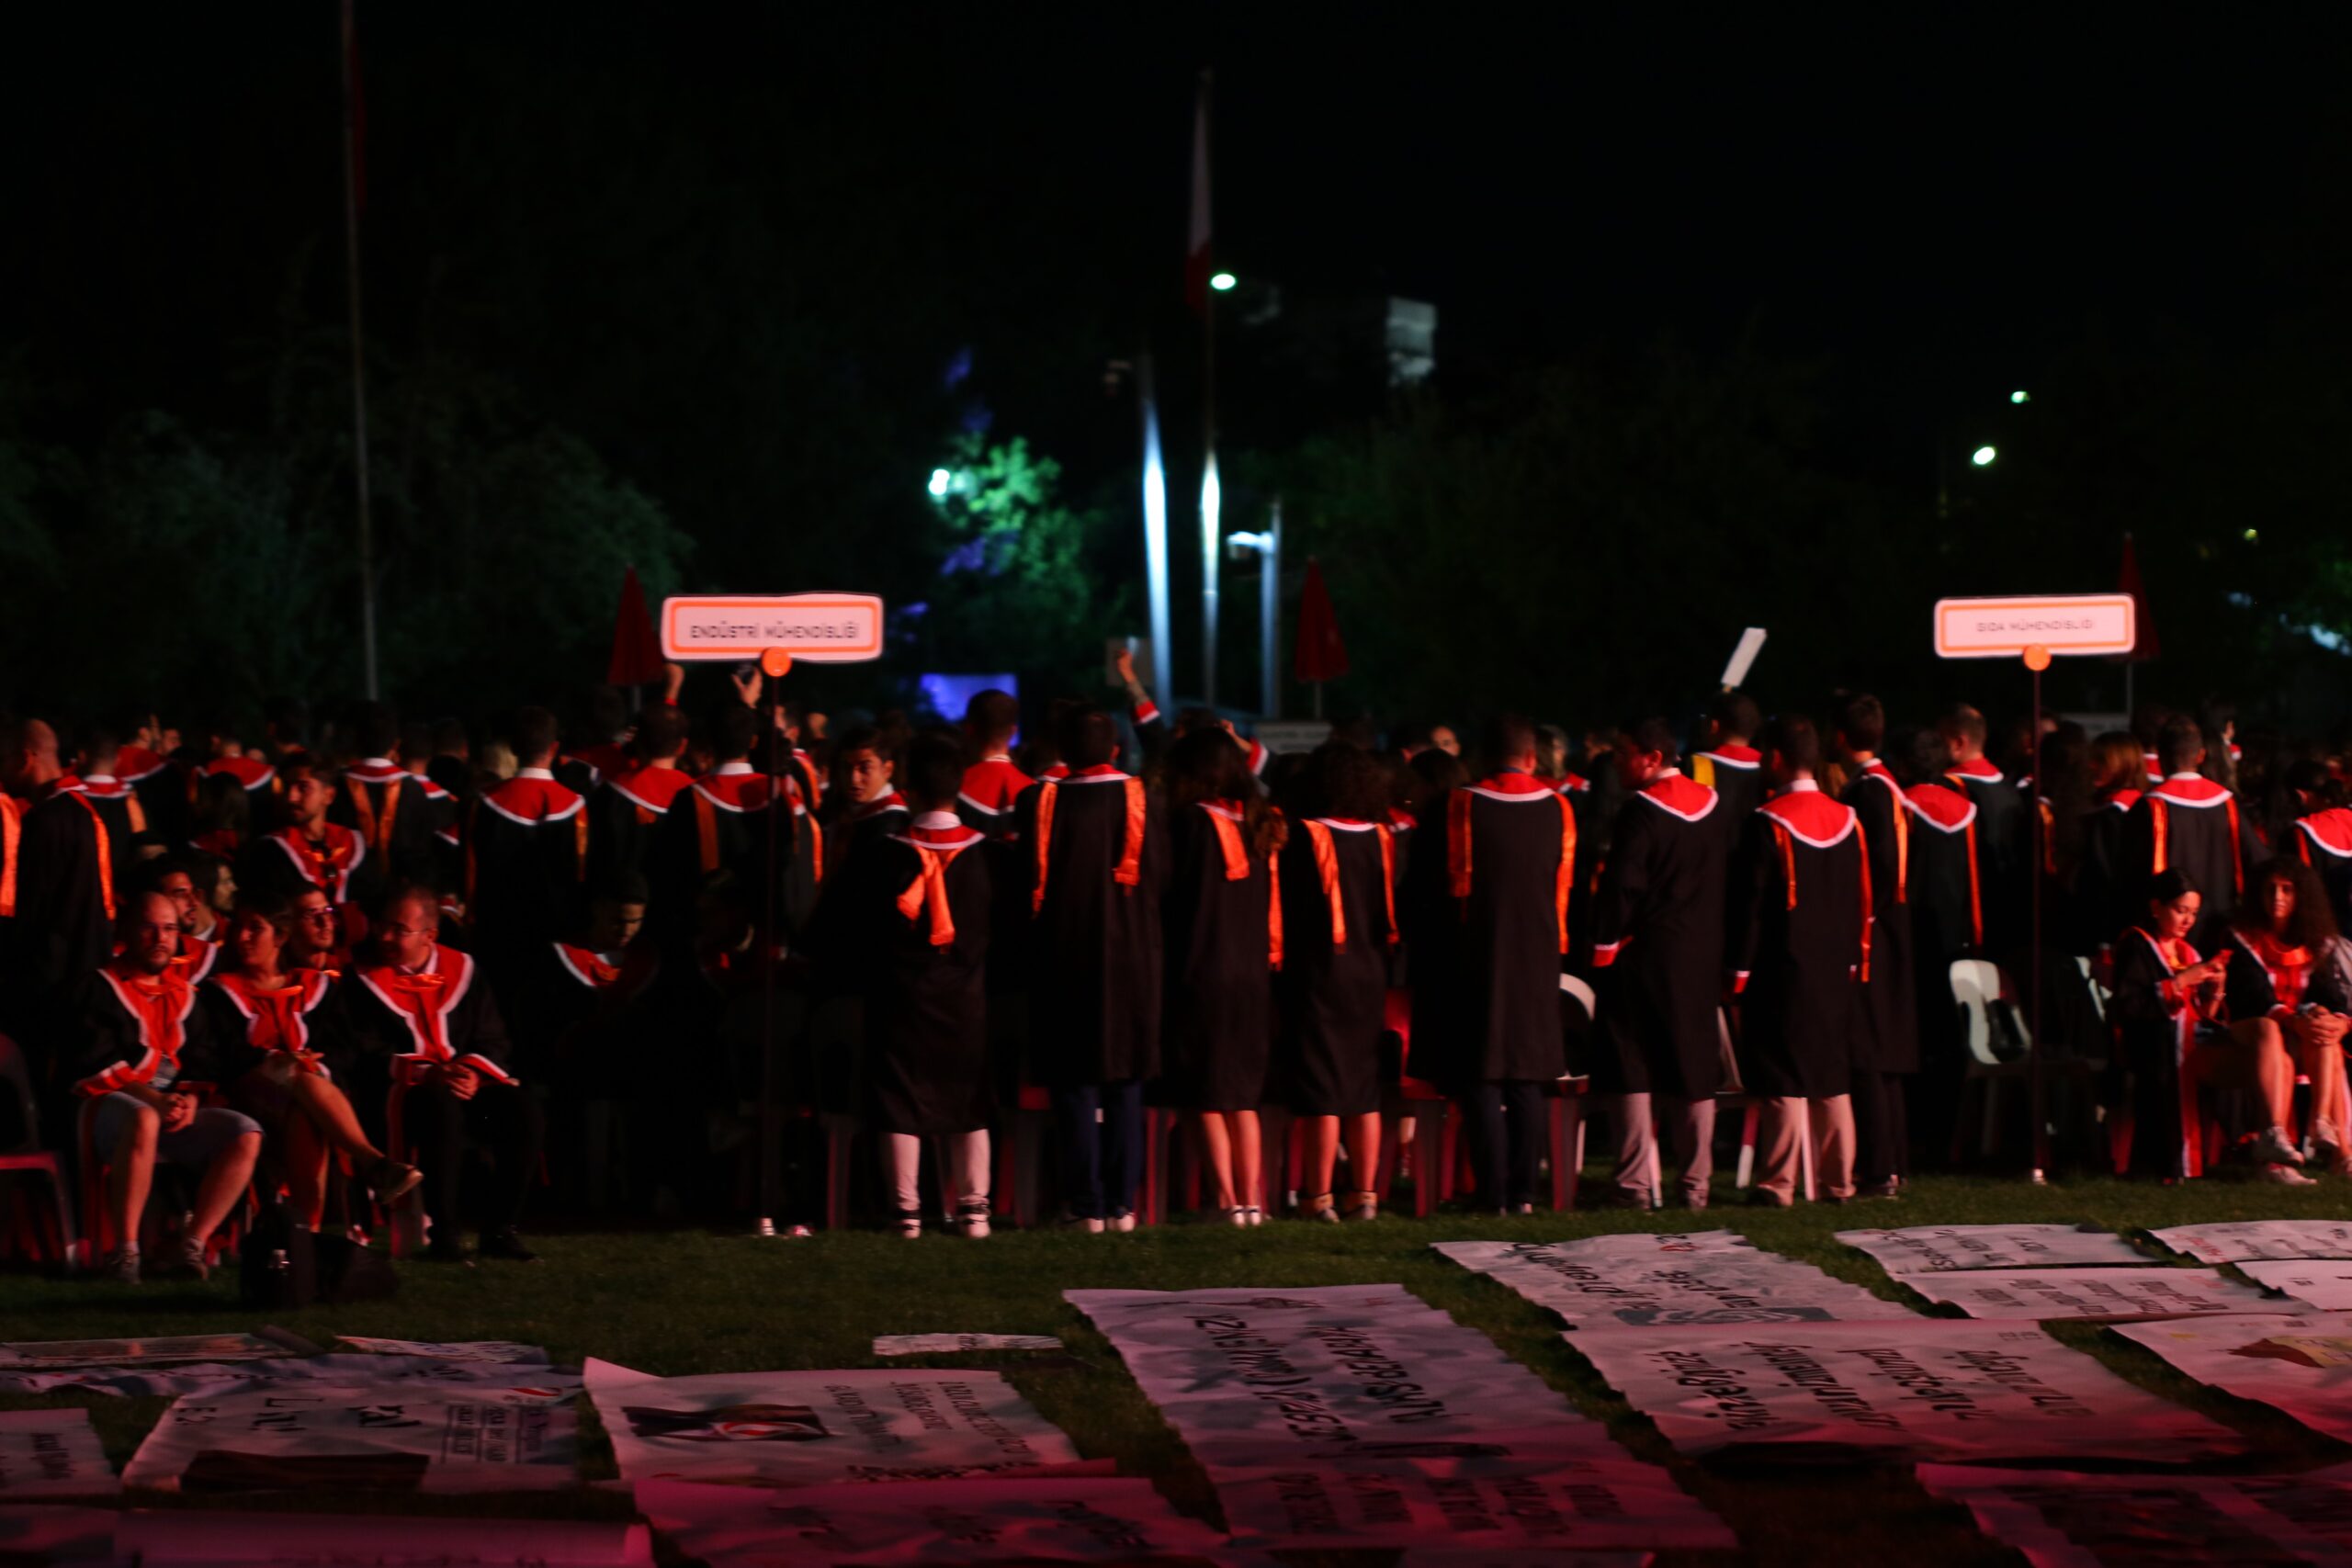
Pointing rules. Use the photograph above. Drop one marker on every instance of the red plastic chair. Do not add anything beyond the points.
(52, 1239)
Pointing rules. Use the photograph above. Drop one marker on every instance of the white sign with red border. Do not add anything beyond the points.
(2061, 623)
(815, 629)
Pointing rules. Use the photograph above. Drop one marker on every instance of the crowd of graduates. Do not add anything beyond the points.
(344, 960)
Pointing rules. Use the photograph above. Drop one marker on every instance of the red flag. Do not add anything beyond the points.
(2144, 625)
(637, 653)
(1196, 253)
(1321, 655)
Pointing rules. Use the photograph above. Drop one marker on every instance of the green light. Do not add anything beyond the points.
(1983, 456)
(2020, 398)
(1223, 282)
(2252, 534)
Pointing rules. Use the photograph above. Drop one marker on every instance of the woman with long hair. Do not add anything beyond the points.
(1222, 924)
(2104, 904)
(2291, 966)
(294, 1039)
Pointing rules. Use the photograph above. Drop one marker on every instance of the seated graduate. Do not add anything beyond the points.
(283, 1041)
(142, 1046)
(2178, 1035)
(2290, 965)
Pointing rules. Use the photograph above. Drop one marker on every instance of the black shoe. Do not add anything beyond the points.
(444, 1250)
(505, 1245)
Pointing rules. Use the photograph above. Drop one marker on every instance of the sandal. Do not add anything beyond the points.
(1318, 1208)
(1237, 1216)
(909, 1224)
(1257, 1215)
(1364, 1206)
(972, 1218)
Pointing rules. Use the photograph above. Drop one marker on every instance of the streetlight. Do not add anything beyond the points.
(941, 482)
(1223, 282)
(1983, 456)
(2020, 398)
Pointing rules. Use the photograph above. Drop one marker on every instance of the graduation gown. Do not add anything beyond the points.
(398, 817)
(125, 815)
(1801, 920)
(162, 797)
(2323, 841)
(2190, 822)
(1494, 904)
(991, 788)
(304, 1014)
(1339, 922)
(1886, 1019)
(1658, 943)
(526, 864)
(1097, 858)
(66, 892)
(626, 814)
(288, 863)
(2106, 898)
(1736, 773)
(2155, 1019)
(129, 1028)
(404, 1025)
(916, 908)
(1223, 920)
(2004, 851)
(568, 1014)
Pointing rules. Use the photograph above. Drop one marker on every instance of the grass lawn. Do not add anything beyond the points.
(676, 1303)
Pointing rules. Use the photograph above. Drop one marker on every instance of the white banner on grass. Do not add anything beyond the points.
(386, 1438)
(2239, 1241)
(1074, 1520)
(1942, 1388)
(52, 1453)
(40, 1535)
(2317, 1282)
(23, 1355)
(1504, 1557)
(2061, 1520)
(1703, 1277)
(958, 1344)
(2301, 1365)
(1358, 1415)
(189, 1538)
(1936, 1249)
(504, 1352)
(805, 1429)
(2096, 1295)
(481, 1380)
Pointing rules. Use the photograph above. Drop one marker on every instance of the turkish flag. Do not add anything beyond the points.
(2144, 625)
(1321, 655)
(637, 653)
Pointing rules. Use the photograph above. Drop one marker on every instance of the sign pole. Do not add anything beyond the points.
(2037, 659)
(772, 664)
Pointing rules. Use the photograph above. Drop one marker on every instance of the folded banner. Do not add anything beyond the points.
(2316, 1282)
(1936, 1249)
(481, 1380)
(1700, 1277)
(385, 1438)
(52, 1453)
(183, 1537)
(2096, 1295)
(2301, 1365)
(1942, 1388)
(805, 1428)
(958, 1344)
(40, 1535)
(1358, 1415)
(504, 1352)
(2061, 1520)
(2240, 1241)
(23, 1355)
(1074, 1520)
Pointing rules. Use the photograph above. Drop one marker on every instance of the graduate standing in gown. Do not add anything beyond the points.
(1338, 923)
(1730, 764)
(2104, 904)
(1886, 1025)
(1097, 859)
(2003, 846)
(526, 853)
(1223, 918)
(914, 906)
(1946, 903)
(627, 809)
(1801, 915)
(66, 899)
(1659, 948)
(398, 814)
(1492, 890)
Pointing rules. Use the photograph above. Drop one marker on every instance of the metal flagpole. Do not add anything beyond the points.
(1155, 539)
(1212, 495)
(359, 347)
(1270, 565)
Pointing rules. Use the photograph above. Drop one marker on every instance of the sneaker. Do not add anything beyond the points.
(796, 1233)
(1122, 1222)
(1237, 1216)
(2274, 1148)
(1257, 1215)
(506, 1244)
(187, 1261)
(393, 1181)
(1084, 1225)
(120, 1266)
(1366, 1206)
(1320, 1210)
(2282, 1176)
(1765, 1198)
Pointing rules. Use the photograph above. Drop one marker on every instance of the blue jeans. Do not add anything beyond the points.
(1101, 1159)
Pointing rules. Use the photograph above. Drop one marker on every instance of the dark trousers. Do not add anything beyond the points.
(503, 1122)
(1102, 1157)
(1510, 1129)
(1882, 1149)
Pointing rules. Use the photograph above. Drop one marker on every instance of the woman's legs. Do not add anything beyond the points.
(303, 1151)
(1249, 1160)
(1363, 1161)
(2271, 1069)
(1322, 1154)
(324, 1106)
(1217, 1150)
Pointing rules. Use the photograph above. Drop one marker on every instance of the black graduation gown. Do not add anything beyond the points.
(125, 815)
(1801, 904)
(1334, 994)
(1886, 1024)
(2004, 853)
(398, 816)
(1658, 944)
(1488, 991)
(282, 863)
(926, 1004)
(1219, 1030)
(625, 816)
(2323, 841)
(1094, 942)
(308, 1015)
(2105, 899)
(1736, 773)
(721, 822)
(113, 1046)
(526, 845)
(991, 789)
(162, 793)
(2191, 823)
(455, 1020)
(62, 929)
(2154, 1034)
(1946, 911)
